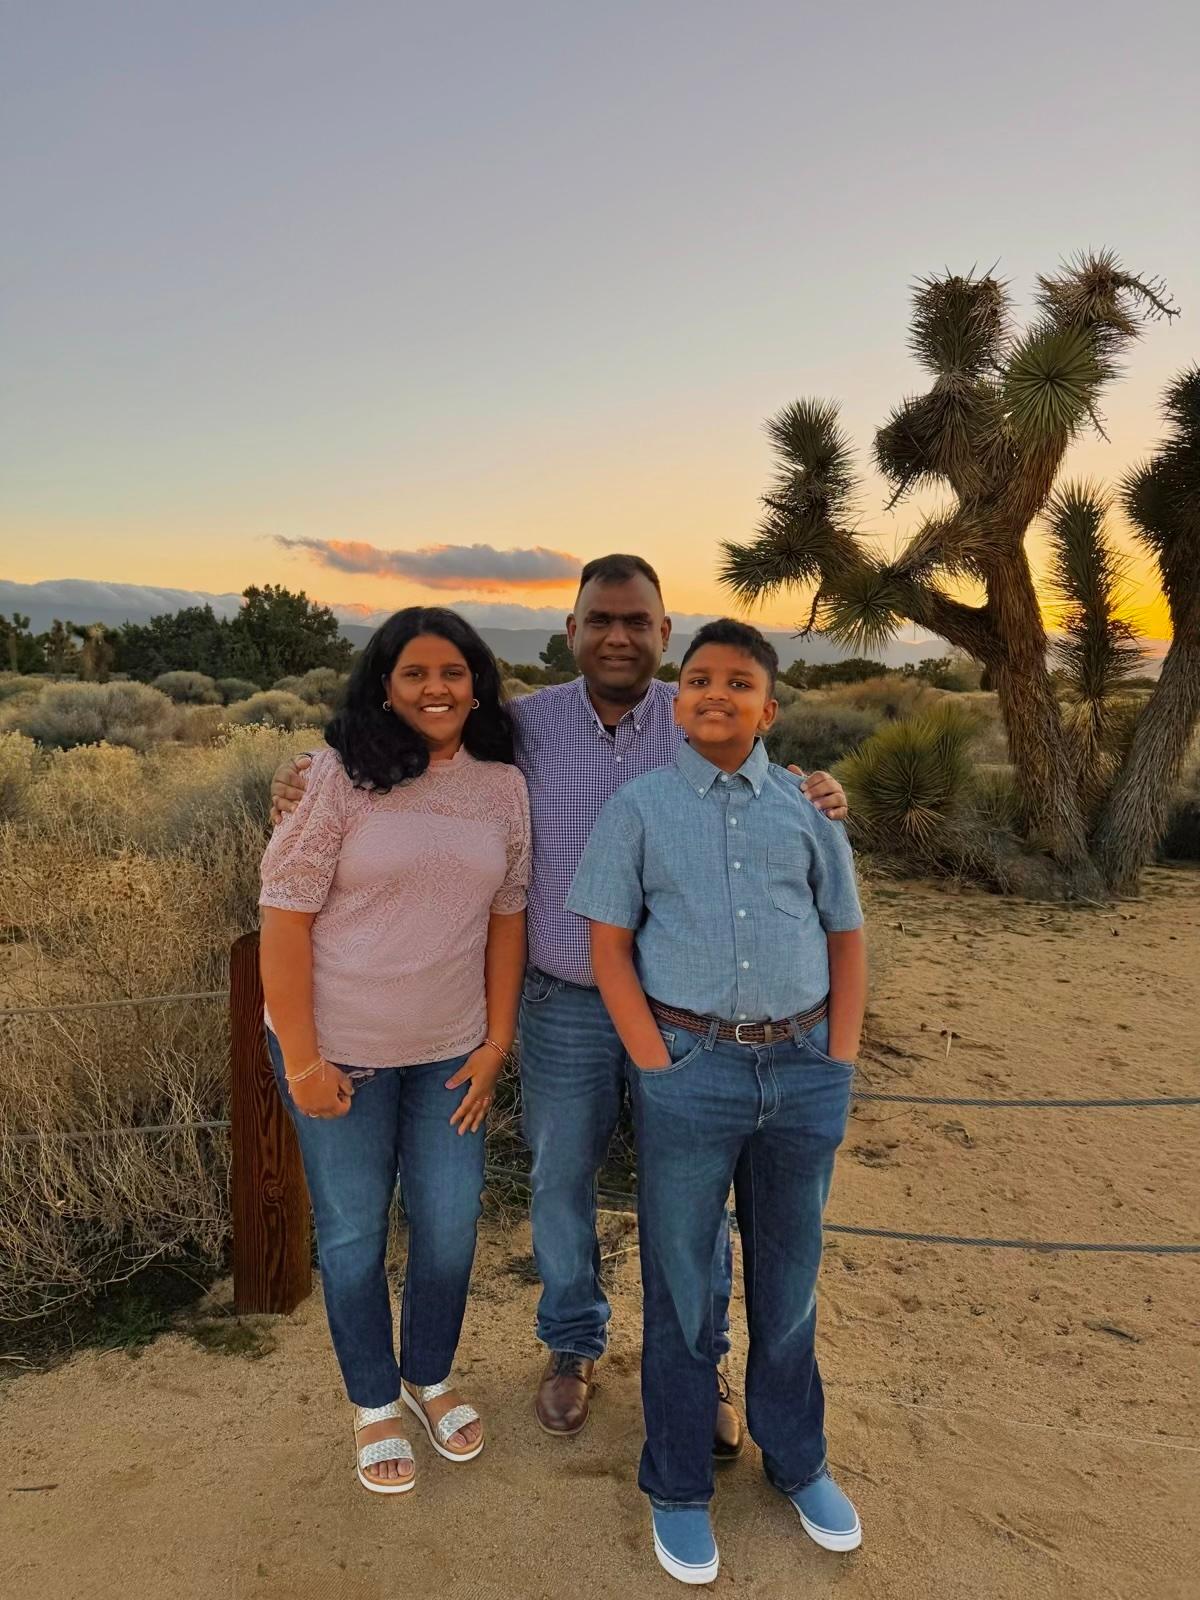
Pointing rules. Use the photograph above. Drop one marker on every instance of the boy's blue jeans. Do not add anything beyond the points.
(573, 1077)
(398, 1125)
(768, 1119)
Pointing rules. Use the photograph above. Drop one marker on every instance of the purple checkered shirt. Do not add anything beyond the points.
(573, 766)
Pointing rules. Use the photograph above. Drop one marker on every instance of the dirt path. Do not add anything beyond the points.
(1011, 1424)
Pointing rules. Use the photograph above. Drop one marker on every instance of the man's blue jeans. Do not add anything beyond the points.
(398, 1125)
(573, 1080)
(768, 1119)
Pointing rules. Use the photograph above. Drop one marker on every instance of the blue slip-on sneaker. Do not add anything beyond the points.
(684, 1543)
(828, 1517)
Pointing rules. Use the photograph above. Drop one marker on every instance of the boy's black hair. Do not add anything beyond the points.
(738, 636)
(618, 569)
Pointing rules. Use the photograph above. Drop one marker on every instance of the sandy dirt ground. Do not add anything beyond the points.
(1011, 1424)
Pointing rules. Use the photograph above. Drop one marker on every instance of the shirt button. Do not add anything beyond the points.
(741, 1016)
(618, 758)
(737, 866)
(699, 791)
(724, 778)
(745, 965)
(741, 913)
(733, 822)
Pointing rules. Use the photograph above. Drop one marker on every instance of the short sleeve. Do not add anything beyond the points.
(302, 857)
(831, 877)
(510, 896)
(607, 886)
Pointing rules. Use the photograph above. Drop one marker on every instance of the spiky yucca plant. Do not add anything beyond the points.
(992, 430)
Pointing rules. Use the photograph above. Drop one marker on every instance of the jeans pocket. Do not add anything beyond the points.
(683, 1049)
(537, 987)
(809, 1043)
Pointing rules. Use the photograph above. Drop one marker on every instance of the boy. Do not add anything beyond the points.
(727, 943)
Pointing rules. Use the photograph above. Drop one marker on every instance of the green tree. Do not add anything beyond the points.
(668, 672)
(60, 649)
(797, 674)
(19, 645)
(557, 656)
(992, 430)
(192, 640)
(98, 651)
(288, 634)
(856, 669)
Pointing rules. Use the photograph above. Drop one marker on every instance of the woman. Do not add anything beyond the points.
(393, 949)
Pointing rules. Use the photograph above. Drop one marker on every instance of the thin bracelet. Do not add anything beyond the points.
(505, 1055)
(308, 1071)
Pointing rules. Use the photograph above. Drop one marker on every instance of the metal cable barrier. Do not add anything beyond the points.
(625, 1202)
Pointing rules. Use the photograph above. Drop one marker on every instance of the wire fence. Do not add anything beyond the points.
(626, 1200)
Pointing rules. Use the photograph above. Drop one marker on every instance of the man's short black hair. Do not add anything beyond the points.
(738, 636)
(618, 569)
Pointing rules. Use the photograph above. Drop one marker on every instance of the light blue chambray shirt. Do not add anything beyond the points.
(732, 882)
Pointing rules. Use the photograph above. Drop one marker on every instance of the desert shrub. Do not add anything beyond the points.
(233, 689)
(273, 708)
(787, 694)
(288, 685)
(201, 724)
(123, 874)
(514, 688)
(321, 687)
(814, 736)
(887, 698)
(67, 714)
(19, 684)
(910, 778)
(995, 799)
(188, 688)
(18, 756)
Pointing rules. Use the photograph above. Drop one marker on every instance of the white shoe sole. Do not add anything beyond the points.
(418, 1411)
(681, 1569)
(829, 1540)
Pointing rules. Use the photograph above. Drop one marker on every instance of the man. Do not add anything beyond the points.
(577, 743)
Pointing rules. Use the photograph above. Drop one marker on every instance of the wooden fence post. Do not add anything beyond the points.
(272, 1231)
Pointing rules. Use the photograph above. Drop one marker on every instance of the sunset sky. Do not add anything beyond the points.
(397, 302)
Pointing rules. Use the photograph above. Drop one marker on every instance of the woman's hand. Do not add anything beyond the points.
(483, 1067)
(327, 1092)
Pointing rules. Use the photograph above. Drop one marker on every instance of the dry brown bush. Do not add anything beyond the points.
(121, 875)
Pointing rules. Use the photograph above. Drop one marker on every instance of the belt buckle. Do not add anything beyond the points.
(737, 1032)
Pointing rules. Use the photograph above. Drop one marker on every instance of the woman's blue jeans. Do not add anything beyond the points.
(397, 1129)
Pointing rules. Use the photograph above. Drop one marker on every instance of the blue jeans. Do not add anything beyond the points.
(573, 1081)
(398, 1125)
(768, 1119)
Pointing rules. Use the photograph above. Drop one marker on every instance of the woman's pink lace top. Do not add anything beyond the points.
(403, 885)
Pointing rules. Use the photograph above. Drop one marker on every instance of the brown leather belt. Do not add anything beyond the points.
(741, 1032)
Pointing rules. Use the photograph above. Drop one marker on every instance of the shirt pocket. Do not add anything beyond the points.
(787, 880)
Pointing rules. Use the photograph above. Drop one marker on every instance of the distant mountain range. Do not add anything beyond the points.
(83, 600)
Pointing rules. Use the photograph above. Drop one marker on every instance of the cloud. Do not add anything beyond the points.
(446, 566)
(82, 600)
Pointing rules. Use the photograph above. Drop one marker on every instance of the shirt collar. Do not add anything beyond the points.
(638, 712)
(701, 774)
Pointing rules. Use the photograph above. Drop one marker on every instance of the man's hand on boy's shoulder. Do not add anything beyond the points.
(825, 792)
(287, 786)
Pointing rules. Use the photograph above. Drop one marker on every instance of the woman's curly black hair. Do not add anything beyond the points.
(378, 749)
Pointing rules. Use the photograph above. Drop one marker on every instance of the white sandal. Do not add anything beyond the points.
(457, 1417)
(369, 1455)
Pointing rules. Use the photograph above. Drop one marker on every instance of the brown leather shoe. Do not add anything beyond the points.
(563, 1398)
(729, 1435)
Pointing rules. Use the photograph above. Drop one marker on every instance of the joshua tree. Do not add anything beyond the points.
(992, 430)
